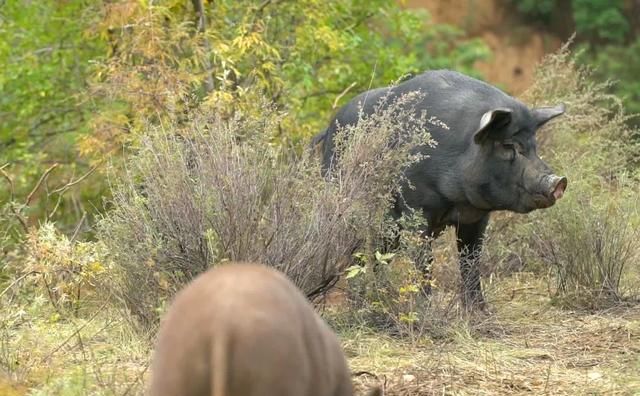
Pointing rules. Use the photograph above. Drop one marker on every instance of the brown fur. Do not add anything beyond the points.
(246, 330)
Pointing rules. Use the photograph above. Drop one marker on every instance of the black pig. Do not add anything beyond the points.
(485, 160)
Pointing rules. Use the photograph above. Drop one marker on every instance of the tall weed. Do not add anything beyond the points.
(587, 241)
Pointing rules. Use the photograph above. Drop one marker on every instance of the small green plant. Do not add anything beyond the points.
(620, 63)
(390, 292)
(536, 9)
(600, 20)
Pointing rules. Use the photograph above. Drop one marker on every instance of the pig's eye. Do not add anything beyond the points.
(511, 148)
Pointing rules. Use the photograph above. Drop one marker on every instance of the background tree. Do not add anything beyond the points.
(45, 60)
(607, 31)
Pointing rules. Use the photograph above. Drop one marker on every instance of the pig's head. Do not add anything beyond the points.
(504, 171)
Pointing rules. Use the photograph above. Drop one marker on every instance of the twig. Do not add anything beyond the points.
(73, 183)
(367, 373)
(16, 281)
(15, 212)
(50, 293)
(335, 102)
(39, 183)
(6, 176)
(77, 230)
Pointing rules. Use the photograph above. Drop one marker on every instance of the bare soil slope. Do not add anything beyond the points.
(516, 47)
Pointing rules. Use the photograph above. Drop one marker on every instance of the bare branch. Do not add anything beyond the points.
(39, 183)
(263, 5)
(15, 212)
(201, 28)
(64, 188)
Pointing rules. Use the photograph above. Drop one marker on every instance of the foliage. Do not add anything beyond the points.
(536, 9)
(622, 65)
(66, 269)
(43, 352)
(45, 58)
(212, 189)
(604, 30)
(600, 20)
(597, 21)
(389, 292)
(305, 56)
(81, 78)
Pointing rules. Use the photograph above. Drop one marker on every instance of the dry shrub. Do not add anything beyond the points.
(587, 240)
(591, 249)
(215, 189)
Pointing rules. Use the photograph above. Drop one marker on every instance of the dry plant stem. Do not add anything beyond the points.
(139, 379)
(16, 281)
(76, 231)
(346, 90)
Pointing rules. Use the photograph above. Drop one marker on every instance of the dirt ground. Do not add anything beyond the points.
(516, 47)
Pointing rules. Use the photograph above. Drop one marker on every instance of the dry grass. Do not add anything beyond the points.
(525, 347)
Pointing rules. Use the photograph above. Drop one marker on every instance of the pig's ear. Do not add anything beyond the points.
(492, 123)
(544, 114)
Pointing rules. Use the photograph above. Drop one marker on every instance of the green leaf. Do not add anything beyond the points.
(354, 271)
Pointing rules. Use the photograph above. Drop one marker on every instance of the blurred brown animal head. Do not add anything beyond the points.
(245, 330)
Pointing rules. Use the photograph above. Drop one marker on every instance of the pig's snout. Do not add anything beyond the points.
(556, 185)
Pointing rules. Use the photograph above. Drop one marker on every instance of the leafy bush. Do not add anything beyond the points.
(215, 189)
(45, 60)
(82, 78)
(536, 9)
(622, 65)
(600, 20)
(597, 21)
(306, 56)
(389, 292)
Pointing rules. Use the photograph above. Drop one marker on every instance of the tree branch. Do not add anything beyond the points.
(201, 27)
(39, 183)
